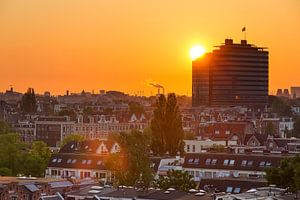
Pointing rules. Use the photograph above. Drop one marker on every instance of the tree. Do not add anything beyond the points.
(189, 136)
(136, 146)
(287, 175)
(296, 130)
(269, 129)
(67, 112)
(180, 180)
(11, 152)
(28, 103)
(72, 137)
(4, 127)
(18, 158)
(5, 171)
(117, 165)
(281, 107)
(88, 111)
(166, 126)
(218, 148)
(136, 108)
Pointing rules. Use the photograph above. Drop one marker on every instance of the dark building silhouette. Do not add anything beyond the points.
(231, 75)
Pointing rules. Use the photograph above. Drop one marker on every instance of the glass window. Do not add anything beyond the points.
(237, 190)
(69, 160)
(231, 162)
(54, 160)
(207, 162)
(225, 162)
(89, 162)
(74, 161)
(229, 189)
(214, 162)
(244, 163)
(99, 162)
(83, 161)
(250, 163)
(59, 160)
(196, 161)
(262, 163)
(268, 164)
(190, 160)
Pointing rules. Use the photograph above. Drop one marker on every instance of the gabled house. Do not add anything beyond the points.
(82, 160)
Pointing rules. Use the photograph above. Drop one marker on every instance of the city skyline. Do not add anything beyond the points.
(59, 46)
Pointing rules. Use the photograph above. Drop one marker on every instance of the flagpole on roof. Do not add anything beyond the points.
(244, 30)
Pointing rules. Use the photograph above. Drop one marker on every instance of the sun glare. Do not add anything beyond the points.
(196, 52)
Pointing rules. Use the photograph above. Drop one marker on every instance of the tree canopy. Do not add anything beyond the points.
(166, 126)
(296, 131)
(28, 103)
(287, 175)
(133, 163)
(281, 107)
(72, 137)
(180, 180)
(4, 127)
(17, 157)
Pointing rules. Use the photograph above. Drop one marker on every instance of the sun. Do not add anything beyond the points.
(196, 52)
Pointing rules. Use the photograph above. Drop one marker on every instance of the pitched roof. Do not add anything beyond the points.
(248, 162)
(77, 161)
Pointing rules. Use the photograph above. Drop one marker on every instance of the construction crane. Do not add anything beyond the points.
(158, 86)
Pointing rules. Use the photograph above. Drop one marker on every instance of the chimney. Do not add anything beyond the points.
(228, 41)
(243, 42)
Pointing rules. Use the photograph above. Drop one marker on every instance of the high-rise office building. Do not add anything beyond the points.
(233, 74)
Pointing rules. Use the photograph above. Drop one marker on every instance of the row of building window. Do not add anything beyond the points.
(229, 162)
(73, 161)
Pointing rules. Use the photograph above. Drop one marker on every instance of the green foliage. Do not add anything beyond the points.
(218, 148)
(21, 159)
(281, 107)
(67, 112)
(269, 129)
(133, 164)
(296, 131)
(179, 180)
(4, 127)
(72, 137)
(88, 111)
(5, 171)
(166, 126)
(117, 164)
(136, 108)
(28, 103)
(287, 175)
(189, 136)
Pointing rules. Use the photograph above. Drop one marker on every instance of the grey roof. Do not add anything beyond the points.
(59, 184)
(32, 187)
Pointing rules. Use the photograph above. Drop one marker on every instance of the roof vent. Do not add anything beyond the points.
(243, 42)
(228, 41)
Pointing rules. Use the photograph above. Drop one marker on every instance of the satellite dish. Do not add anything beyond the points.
(235, 174)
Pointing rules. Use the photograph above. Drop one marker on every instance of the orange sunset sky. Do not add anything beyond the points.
(57, 45)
